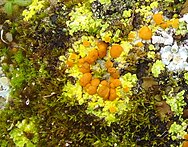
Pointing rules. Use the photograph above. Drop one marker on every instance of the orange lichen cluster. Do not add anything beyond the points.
(105, 88)
(85, 79)
(158, 19)
(170, 23)
(145, 33)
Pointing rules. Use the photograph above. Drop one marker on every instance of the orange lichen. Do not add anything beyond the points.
(113, 109)
(164, 25)
(185, 144)
(145, 33)
(103, 91)
(69, 63)
(104, 83)
(84, 68)
(73, 56)
(126, 89)
(116, 51)
(108, 64)
(86, 43)
(92, 56)
(87, 86)
(158, 18)
(115, 75)
(91, 90)
(113, 94)
(185, 136)
(112, 85)
(116, 82)
(102, 49)
(107, 39)
(71, 60)
(85, 79)
(131, 36)
(95, 82)
(175, 23)
(81, 61)
(111, 70)
(139, 44)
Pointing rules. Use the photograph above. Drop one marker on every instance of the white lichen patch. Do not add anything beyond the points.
(174, 57)
(4, 90)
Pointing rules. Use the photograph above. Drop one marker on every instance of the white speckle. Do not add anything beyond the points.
(27, 102)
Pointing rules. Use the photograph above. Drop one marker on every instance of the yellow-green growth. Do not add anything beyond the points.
(18, 134)
(176, 102)
(177, 131)
(35, 7)
(186, 77)
(157, 68)
(81, 20)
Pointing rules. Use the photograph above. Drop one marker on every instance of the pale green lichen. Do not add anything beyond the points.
(73, 93)
(146, 12)
(35, 7)
(127, 13)
(157, 68)
(101, 108)
(186, 77)
(176, 102)
(81, 20)
(151, 47)
(128, 80)
(18, 134)
(154, 5)
(177, 131)
(105, 1)
(151, 55)
(182, 28)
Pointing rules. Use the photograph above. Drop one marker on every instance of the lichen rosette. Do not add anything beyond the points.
(98, 81)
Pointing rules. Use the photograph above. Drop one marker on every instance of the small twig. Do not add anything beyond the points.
(49, 95)
(2, 37)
